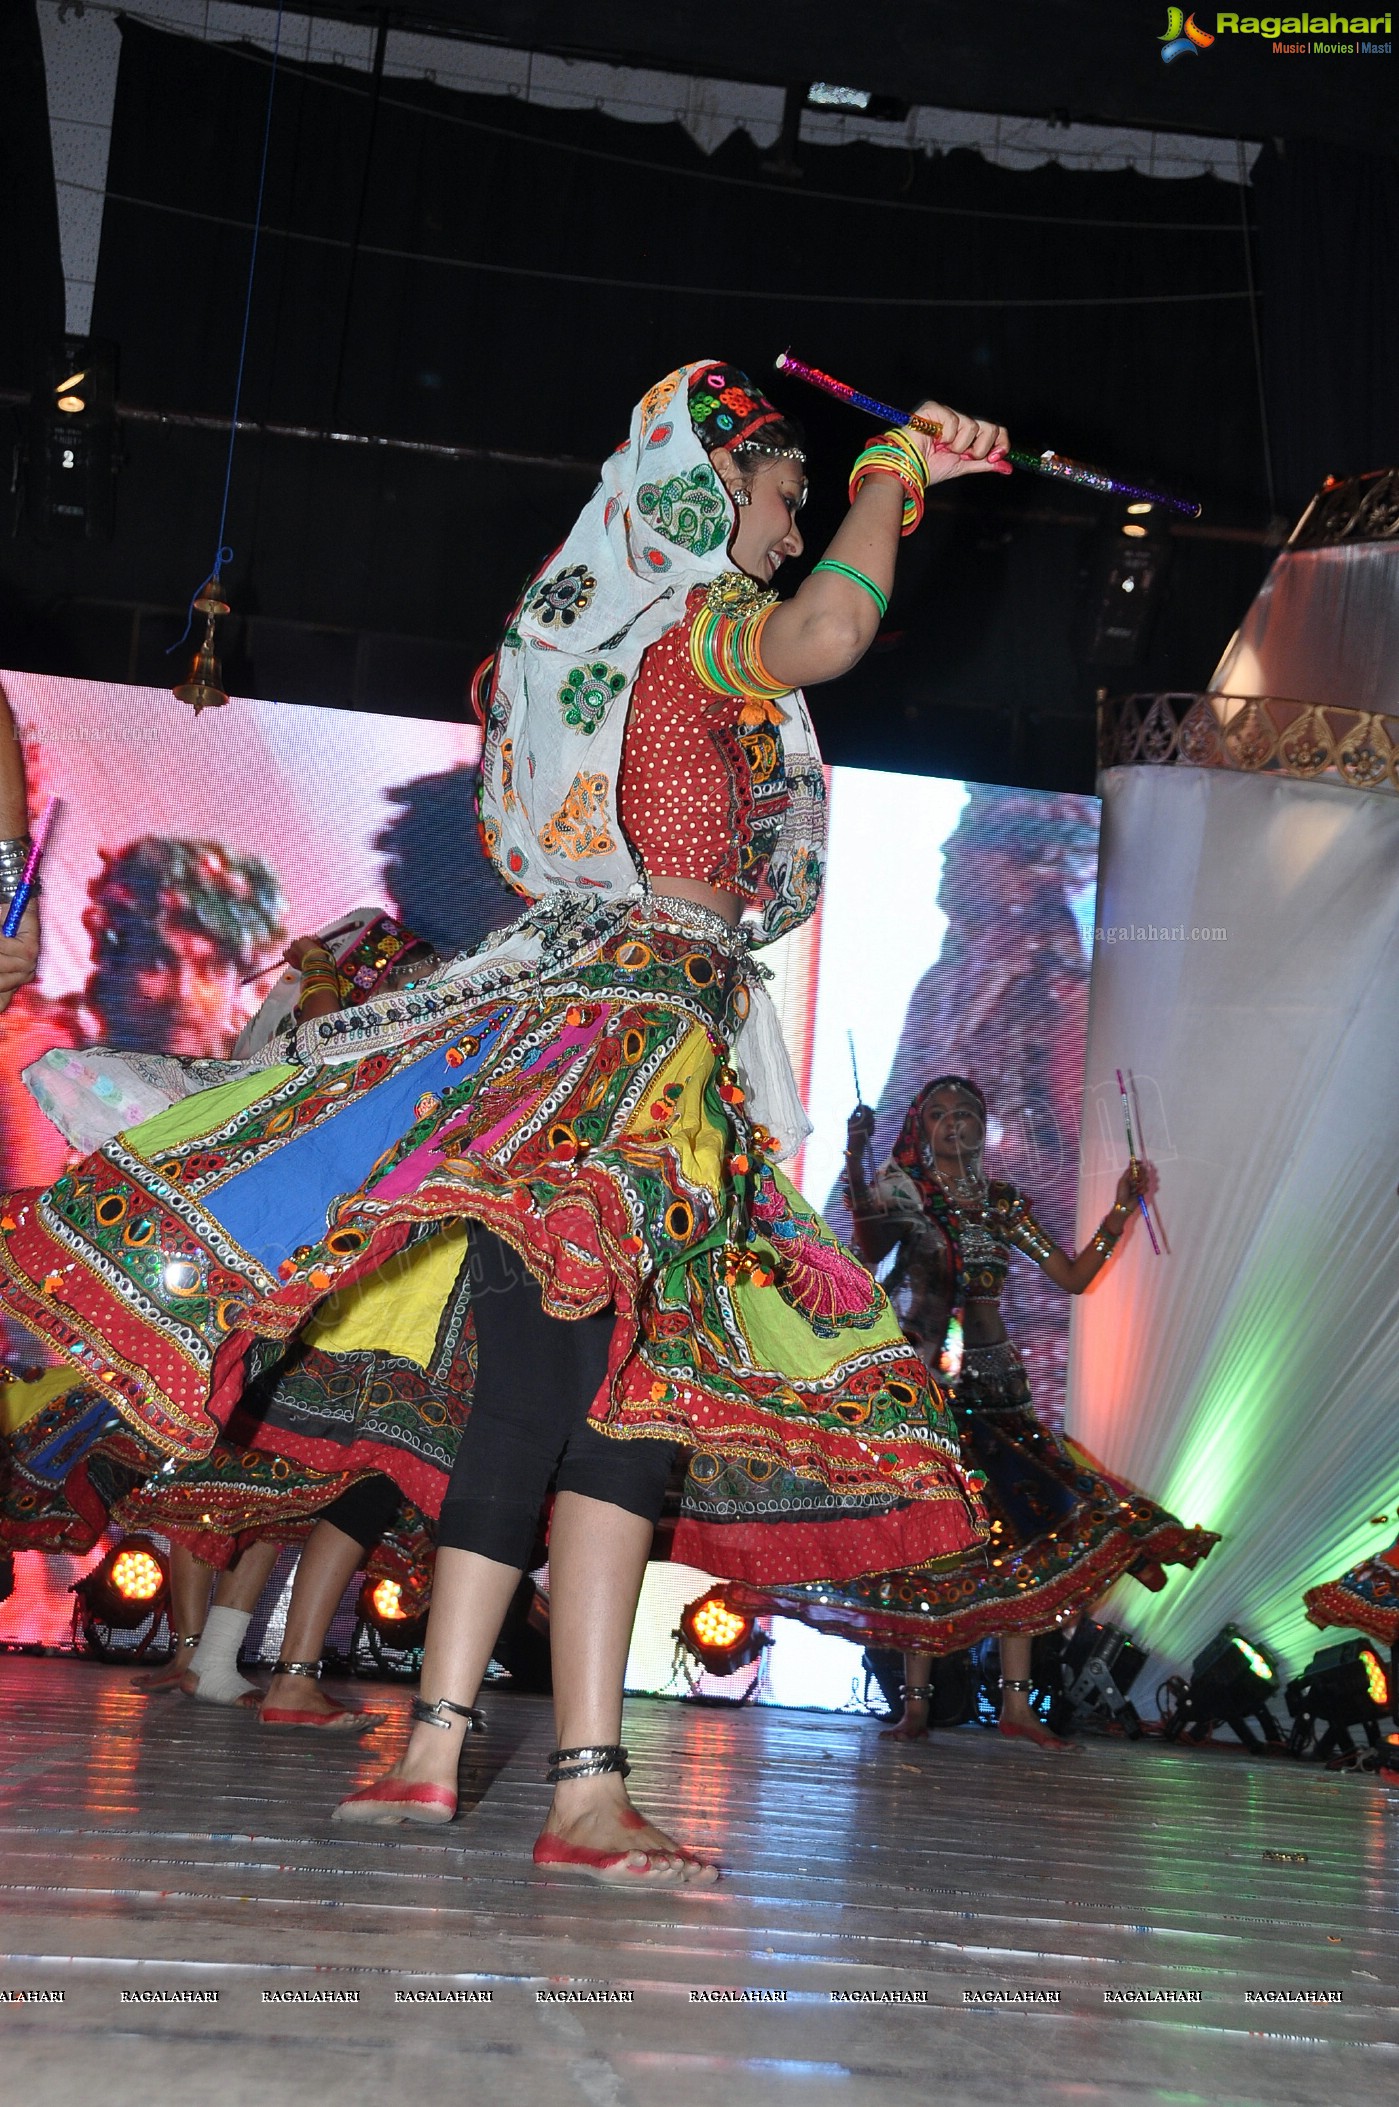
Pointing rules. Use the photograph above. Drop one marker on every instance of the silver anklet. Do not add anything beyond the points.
(311, 1668)
(434, 1714)
(567, 1764)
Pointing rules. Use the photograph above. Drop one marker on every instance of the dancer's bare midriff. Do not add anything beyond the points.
(728, 906)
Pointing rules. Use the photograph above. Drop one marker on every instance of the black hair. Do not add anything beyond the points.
(786, 432)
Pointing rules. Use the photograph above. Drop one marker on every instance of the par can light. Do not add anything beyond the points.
(380, 1609)
(128, 1588)
(1343, 1686)
(1231, 1684)
(1100, 1664)
(720, 1639)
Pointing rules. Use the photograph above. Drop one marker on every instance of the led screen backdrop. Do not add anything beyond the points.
(954, 934)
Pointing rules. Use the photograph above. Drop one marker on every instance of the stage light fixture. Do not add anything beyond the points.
(71, 443)
(1344, 1686)
(1230, 1685)
(721, 1639)
(1101, 1663)
(1122, 587)
(829, 95)
(386, 1622)
(137, 1576)
(126, 1589)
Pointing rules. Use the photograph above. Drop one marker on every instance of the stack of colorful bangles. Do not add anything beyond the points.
(894, 454)
(318, 977)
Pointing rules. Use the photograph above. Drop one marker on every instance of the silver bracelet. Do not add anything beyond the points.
(14, 854)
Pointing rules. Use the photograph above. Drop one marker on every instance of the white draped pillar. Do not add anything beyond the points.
(1248, 1378)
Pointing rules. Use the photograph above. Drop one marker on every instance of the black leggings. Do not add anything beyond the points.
(536, 1377)
(365, 1510)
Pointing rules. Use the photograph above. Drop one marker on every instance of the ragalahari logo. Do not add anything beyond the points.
(1182, 36)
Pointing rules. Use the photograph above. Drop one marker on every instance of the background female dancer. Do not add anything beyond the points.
(569, 1088)
(343, 1447)
(1060, 1532)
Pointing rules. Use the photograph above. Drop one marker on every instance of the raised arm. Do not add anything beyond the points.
(320, 991)
(874, 1230)
(831, 620)
(1073, 1275)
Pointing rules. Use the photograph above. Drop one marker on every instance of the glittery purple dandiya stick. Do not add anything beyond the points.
(1048, 463)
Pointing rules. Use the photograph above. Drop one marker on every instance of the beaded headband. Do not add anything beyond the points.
(770, 453)
(773, 453)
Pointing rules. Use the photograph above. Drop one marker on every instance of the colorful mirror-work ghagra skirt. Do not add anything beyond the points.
(583, 1107)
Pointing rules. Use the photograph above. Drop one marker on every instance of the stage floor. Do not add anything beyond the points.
(156, 1846)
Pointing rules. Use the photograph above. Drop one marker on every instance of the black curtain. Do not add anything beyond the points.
(602, 253)
(31, 274)
(523, 273)
(1328, 244)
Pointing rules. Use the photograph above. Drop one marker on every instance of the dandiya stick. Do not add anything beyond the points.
(1132, 1157)
(1049, 463)
(854, 1067)
(331, 936)
(25, 888)
(855, 1071)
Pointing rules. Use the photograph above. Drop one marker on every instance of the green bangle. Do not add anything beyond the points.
(848, 570)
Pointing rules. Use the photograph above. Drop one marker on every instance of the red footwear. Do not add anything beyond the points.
(616, 1868)
(1040, 1737)
(345, 1719)
(393, 1800)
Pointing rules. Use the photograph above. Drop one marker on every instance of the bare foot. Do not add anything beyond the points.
(298, 1693)
(173, 1676)
(912, 1727)
(302, 1703)
(432, 1757)
(596, 1815)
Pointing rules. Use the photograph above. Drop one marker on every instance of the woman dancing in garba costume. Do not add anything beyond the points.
(603, 1088)
(1060, 1532)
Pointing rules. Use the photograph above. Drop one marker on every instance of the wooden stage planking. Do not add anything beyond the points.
(157, 1845)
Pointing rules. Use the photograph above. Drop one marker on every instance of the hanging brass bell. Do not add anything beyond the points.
(204, 688)
(210, 600)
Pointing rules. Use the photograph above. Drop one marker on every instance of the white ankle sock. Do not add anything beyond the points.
(215, 1659)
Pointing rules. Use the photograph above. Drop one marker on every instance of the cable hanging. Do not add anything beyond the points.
(209, 597)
